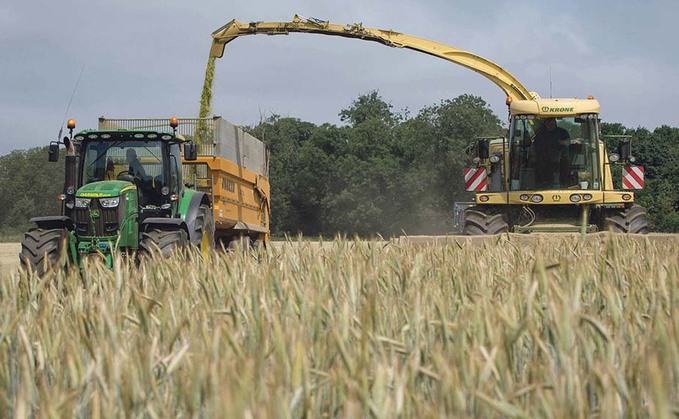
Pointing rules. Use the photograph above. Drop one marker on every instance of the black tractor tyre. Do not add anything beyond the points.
(478, 223)
(204, 229)
(629, 221)
(164, 242)
(42, 250)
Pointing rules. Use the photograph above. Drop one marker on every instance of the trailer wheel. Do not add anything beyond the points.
(204, 233)
(163, 242)
(629, 221)
(478, 223)
(44, 250)
(239, 243)
(259, 244)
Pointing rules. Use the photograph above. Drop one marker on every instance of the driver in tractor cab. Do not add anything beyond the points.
(136, 170)
(553, 159)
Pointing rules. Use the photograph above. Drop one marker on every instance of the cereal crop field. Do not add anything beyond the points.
(548, 327)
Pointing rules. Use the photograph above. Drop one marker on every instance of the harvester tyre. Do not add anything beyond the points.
(44, 250)
(204, 232)
(478, 223)
(163, 242)
(630, 221)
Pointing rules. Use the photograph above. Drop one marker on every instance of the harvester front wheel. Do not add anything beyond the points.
(43, 250)
(629, 221)
(164, 242)
(478, 223)
(204, 233)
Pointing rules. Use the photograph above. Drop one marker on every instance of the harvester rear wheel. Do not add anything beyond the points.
(204, 233)
(631, 220)
(43, 250)
(478, 223)
(163, 242)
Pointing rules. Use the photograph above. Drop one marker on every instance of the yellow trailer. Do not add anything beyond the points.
(232, 168)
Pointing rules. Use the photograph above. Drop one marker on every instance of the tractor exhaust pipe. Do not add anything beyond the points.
(70, 173)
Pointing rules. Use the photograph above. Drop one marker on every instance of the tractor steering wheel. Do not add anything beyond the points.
(126, 176)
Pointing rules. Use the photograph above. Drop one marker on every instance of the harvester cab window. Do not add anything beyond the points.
(554, 153)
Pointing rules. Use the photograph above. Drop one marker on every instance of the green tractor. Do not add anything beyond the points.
(123, 193)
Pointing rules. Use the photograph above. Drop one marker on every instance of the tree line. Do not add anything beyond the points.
(383, 172)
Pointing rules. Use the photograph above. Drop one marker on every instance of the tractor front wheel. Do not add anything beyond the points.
(163, 242)
(44, 250)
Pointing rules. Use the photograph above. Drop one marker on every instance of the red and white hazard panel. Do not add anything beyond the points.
(633, 177)
(475, 179)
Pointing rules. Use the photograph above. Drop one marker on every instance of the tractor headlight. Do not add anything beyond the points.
(575, 198)
(614, 157)
(109, 202)
(82, 202)
(494, 158)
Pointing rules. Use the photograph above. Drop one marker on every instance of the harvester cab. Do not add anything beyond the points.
(123, 192)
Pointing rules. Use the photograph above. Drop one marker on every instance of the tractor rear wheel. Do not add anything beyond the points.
(43, 250)
(478, 223)
(204, 233)
(629, 221)
(164, 242)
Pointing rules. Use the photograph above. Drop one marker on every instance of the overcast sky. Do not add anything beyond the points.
(146, 58)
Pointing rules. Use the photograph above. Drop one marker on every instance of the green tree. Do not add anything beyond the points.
(29, 186)
(369, 106)
(658, 153)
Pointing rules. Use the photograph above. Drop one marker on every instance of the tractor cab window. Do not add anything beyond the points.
(139, 162)
(554, 153)
(109, 160)
(175, 168)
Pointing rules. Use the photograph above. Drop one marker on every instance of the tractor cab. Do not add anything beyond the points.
(150, 161)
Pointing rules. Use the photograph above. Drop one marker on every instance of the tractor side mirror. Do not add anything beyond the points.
(624, 149)
(190, 152)
(53, 152)
(482, 147)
